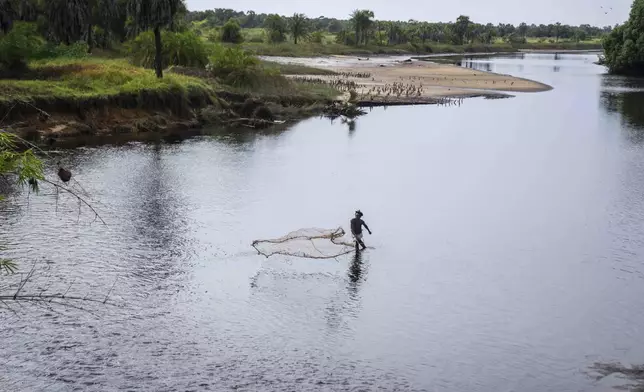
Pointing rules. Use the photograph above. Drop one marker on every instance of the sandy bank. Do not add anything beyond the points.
(393, 79)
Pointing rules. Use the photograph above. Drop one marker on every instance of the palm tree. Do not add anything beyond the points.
(155, 15)
(362, 22)
(68, 19)
(461, 29)
(7, 15)
(276, 27)
(17, 10)
(299, 26)
(101, 13)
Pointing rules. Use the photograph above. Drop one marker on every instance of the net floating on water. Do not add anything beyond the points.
(309, 243)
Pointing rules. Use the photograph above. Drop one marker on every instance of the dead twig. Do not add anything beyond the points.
(64, 188)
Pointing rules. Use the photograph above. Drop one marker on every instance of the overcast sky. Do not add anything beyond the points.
(507, 11)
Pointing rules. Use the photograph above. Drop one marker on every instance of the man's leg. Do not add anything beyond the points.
(359, 238)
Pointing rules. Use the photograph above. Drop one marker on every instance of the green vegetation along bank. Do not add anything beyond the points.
(624, 46)
(362, 33)
(64, 98)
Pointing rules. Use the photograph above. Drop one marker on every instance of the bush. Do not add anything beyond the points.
(185, 49)
(257, 39)
(214, 36)
(515, 39)
(235, 67)
(231, 32)
(76, 50)
(20, 45)
(317, 37)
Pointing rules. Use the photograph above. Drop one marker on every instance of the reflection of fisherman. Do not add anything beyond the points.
(356, 229)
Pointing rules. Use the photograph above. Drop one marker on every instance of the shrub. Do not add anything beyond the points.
(214, 36)
(76, 50)
(20, 45)
(232, 65)
(185, 49)
(257, 39)
(231, 32)
(317, 37)
(238, 68)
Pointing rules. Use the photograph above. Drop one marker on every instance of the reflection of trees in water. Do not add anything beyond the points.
(630, 107)
(239, 136)
(479, 66)
(158, 216)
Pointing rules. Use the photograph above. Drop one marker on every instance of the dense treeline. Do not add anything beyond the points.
(624, 46)
(362, 28)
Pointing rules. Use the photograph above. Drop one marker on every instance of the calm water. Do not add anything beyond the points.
(508, 236)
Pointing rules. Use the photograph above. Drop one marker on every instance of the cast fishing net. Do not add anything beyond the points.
(308, 243)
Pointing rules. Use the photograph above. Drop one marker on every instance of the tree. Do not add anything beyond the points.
(231, 32)
(154, 14)
(68, 19)
(557, 31)
(101, 14)
(276, 26)
(362, 21)
(461, 29)
(523, 29)
(16, 10)
(624, 46)
(298, 25)
(21, 44)
(335, 26)
(580, 35)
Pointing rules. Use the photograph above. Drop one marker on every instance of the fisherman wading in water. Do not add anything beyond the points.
(356, 229)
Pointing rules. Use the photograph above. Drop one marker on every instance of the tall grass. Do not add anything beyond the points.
(95, 78)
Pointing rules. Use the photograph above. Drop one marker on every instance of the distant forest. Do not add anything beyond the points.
(361, 27)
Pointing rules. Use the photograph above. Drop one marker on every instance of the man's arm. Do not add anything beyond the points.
(366, 227)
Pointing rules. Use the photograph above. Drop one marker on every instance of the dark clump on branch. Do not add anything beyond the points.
(64, 174)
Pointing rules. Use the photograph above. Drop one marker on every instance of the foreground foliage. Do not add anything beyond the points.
(22, 167)
(624, 46)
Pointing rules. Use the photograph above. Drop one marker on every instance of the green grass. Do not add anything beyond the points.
(254, 35)
(95, 78)
(81, 80)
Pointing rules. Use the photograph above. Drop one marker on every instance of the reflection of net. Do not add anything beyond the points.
(307, 243)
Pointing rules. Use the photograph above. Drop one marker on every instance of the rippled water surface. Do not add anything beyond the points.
(508, 246)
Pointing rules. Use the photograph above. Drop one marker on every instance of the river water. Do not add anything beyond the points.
(508, 241)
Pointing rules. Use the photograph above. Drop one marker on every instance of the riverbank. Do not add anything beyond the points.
(310, 49)
(71, 98)
(395, 81)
